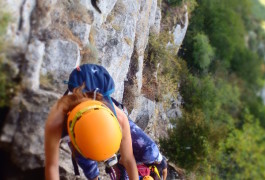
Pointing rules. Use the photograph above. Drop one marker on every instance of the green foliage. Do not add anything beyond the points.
(254, 104)
(199, 94)
(174, 2)
(215, 103)
(210, 106)
(223, 26)
(203, 52)
(6, 84)
(4, 19)
(191, 4)
(222, 93)
(212, 96)
(258, 9)
(162, 58)
(242, 154)
(158, 52)
(247, 65)
(226, 32)
(187, 143)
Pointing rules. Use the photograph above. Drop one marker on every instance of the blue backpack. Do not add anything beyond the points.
(96, 79)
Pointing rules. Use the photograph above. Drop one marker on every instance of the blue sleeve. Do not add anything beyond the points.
(164, 163)
(145, 149)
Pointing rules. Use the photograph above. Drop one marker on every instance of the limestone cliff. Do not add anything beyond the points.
(50, 38)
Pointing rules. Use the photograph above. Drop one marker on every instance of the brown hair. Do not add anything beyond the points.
(68, 102)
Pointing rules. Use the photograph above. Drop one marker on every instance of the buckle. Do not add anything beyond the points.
(111, 161)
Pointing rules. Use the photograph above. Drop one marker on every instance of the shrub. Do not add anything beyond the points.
(158, 52)
(187, 143)
(199, 94)
(6, 82)
(248, 66)
(4, 19)
(7, 86)
(223, 25)
(174, 2)
(241, 155)
(203, 52)
(161, 58)
(190, 3)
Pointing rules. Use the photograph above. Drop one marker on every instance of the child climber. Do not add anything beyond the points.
(97, 127)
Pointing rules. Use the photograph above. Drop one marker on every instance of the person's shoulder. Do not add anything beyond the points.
(56, 116)
(121, 116)
(164, 162)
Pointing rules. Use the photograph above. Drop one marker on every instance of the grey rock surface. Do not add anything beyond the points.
(61, 57)
(19, 29)
(50, 38)
(180, 30)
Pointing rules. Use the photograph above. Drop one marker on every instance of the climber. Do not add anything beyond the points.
(53, 130)
(89, 114)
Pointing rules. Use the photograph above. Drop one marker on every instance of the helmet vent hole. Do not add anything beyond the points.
(96, 108)
(70, 124)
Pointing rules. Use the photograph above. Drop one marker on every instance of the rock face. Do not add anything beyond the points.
(179, 31)
(53, 37)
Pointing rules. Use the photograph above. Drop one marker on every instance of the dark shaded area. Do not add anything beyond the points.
(3, 112)
(172, 174)
(9, 171)
(94, 4)
(130, 86)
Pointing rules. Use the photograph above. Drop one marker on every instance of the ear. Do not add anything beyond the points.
(94, 4)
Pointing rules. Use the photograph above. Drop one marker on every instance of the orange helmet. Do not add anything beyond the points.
(94, 130)
(148, 178)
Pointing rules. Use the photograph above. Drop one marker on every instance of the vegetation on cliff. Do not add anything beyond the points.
(6, 81)
(221, 132)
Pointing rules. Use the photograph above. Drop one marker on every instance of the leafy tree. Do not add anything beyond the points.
(254, 104)
(203, 52)
(232, 137)
(218, 99)
(242, 154)
(223, 26)
(247, 65)
(174, 2)
(187, 142)
(199, 93)
(225, 31)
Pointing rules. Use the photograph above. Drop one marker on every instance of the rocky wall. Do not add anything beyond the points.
(49, 39)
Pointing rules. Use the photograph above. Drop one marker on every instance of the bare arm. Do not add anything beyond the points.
(53, 132)
(126, 150)
(164, 172)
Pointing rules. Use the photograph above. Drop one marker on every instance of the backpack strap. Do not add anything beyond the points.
(117, 103)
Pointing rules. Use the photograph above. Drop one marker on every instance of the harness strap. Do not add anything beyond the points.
(76, 169)
(77, 173)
